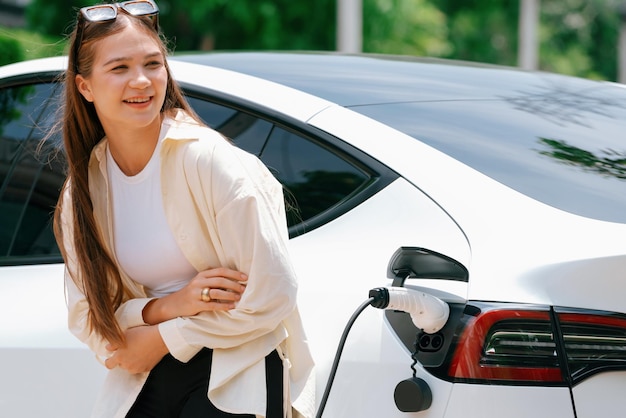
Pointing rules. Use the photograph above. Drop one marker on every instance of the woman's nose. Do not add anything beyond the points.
(139, 79)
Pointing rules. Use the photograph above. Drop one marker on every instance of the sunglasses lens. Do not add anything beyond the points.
(139, 8)
(100, 13)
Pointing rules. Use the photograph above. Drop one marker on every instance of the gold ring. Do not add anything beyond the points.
(205, 295)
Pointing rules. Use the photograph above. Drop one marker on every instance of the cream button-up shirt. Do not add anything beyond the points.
(225, 209)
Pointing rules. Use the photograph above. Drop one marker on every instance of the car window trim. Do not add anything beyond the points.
(380, 175)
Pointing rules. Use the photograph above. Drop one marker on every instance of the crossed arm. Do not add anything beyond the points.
(144, 346)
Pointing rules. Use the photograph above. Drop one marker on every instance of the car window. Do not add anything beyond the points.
(315, 177)
(31, 175)
(557, 143)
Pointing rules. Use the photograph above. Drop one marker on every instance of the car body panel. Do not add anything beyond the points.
(38, 320)
(341, 284)
(479, 401)
(51, 372)
(600, 393)
(544, 236)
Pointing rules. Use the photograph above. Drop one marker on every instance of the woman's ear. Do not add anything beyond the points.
(83, 86)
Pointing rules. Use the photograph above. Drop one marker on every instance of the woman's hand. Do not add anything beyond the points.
(224, 285)
(144, 348)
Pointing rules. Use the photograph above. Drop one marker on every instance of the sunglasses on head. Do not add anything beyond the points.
(102, 13)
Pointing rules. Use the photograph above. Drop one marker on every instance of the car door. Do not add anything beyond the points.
(44, 368)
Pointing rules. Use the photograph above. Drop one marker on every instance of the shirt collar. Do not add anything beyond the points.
(178, 127)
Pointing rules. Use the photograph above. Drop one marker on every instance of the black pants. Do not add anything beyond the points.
(179, 390)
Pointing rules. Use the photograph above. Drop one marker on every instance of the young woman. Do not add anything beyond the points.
(175, 241)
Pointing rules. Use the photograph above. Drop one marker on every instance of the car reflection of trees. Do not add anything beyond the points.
(612, 164)
(9, 99)
(28, 194)
(320, 191)
(562, 105)
(31, 175)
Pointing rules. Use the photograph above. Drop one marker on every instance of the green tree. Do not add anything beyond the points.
(406, 27)
(18, 45)
(577, 37)
(10, 50)
(56, 17)
(482, 30)
(216, 24)
(242, 24)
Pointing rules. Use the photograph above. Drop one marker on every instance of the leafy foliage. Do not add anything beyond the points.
(577, 37)
(483, 30)
(18, 45)
(580, 37)
(405, 27)
(241, 24)
(10, 50)
(55, 17)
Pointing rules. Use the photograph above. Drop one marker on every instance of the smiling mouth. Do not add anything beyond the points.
(138, 100)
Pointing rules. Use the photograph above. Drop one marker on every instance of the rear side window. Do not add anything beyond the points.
(30, 176)
(315, 177)
(561, 143)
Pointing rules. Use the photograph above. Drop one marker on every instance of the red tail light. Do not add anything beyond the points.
(507, 345)
(518, 344)
(593, 342)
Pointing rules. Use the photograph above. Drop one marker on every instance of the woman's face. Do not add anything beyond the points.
(128, 82)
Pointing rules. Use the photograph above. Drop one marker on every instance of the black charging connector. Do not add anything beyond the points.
(381, 297)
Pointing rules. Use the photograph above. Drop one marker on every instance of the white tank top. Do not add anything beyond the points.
(144, 244)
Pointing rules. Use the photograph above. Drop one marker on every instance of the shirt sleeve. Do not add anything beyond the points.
(245, 203)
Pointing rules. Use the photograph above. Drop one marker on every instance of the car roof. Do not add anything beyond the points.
(366, 79)
(362, 79)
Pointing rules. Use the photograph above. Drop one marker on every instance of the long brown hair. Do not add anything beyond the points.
(97, 274)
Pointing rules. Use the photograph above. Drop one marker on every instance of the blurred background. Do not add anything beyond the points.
(576, 37)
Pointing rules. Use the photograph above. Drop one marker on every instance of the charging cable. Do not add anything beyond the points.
(428, 313)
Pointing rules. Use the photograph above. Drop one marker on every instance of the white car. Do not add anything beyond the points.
(499, 192)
